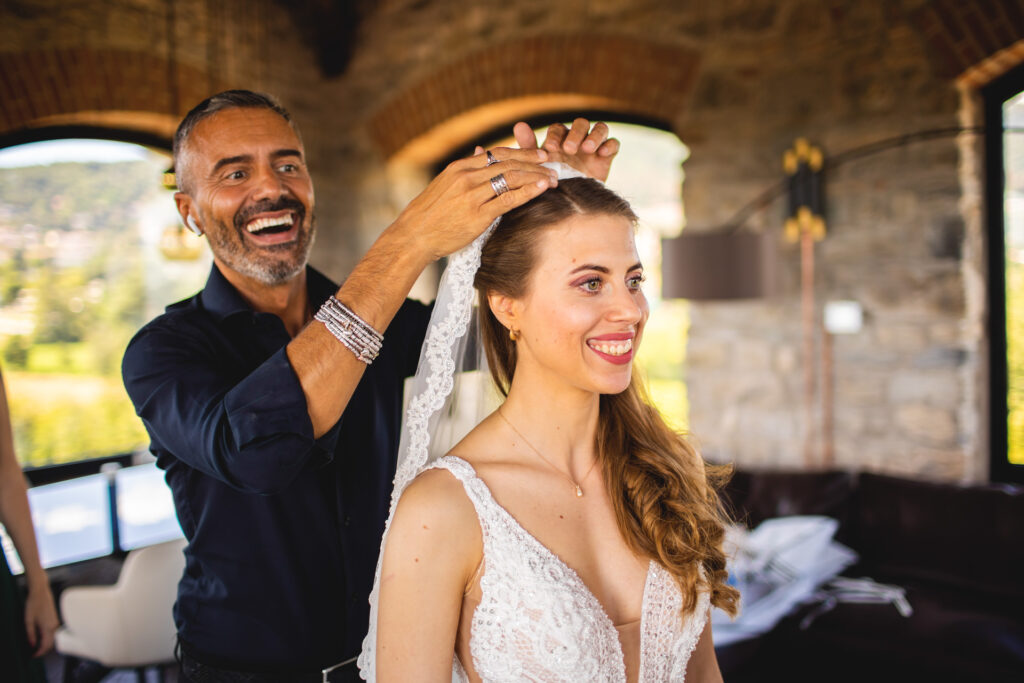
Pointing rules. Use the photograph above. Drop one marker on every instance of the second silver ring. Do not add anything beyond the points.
(499, 185)
(491, 159)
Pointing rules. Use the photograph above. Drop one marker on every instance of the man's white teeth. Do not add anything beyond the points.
(616, 348)
(264, 223)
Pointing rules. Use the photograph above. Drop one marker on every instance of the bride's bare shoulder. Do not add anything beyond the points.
(436, 492)
(483, 447)
(436, 521)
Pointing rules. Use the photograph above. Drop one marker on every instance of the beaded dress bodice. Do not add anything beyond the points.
(537, 620)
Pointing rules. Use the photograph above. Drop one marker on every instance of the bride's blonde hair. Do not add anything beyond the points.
(664, 494)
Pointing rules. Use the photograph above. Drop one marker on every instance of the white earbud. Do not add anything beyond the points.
(191, 223)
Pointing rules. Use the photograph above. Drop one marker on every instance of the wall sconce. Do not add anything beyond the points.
(803, 164)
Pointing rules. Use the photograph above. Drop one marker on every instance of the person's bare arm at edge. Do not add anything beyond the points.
(40, 612)
(455, 208)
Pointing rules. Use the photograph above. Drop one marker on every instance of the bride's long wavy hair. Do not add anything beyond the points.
(664, 494)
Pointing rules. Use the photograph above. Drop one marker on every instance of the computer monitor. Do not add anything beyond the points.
(72, 520)
(145, 509)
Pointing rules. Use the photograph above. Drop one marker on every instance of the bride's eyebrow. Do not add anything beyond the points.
(590, 266)
(604, 270)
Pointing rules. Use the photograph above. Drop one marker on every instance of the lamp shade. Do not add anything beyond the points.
(718, 264)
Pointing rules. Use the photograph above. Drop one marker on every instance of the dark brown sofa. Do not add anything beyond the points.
(957, 550)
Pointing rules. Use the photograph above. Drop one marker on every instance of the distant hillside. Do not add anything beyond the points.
(75, 195)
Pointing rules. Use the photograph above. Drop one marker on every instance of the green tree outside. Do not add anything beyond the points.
(77, 249)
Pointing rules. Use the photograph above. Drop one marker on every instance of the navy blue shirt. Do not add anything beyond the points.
(283, 529)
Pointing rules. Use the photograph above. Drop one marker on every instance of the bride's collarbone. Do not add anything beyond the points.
(580, 531)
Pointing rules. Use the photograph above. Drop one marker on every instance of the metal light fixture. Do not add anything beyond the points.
(803, 164)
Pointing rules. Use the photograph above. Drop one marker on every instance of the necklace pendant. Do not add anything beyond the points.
(579, 491)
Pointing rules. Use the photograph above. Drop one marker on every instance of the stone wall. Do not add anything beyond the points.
(737, 80)
(893, 244)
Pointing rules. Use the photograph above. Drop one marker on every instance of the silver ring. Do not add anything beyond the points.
(499, 185)
(490, 158)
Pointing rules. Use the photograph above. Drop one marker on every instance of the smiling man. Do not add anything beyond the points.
(273, 397)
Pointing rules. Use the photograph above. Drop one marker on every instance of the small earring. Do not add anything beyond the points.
(512, 334)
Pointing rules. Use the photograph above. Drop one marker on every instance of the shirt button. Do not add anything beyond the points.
(348, 520)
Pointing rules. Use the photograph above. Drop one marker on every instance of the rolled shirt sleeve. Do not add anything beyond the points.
(250, 430)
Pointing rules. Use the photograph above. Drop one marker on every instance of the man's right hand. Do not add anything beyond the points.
(460, 203)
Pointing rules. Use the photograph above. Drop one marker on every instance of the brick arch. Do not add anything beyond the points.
(528, 76)
(103, 88)
(973, 42)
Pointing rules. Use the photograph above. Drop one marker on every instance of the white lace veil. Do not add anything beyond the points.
(450, 394)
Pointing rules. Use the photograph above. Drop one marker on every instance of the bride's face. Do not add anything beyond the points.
(581, 318)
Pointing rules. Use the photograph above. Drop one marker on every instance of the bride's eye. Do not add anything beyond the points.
(634, 281)
(591, 285)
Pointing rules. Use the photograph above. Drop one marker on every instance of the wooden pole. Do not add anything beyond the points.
(827, 399)
(807, 306)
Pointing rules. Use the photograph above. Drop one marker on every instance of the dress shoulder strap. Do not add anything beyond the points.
(487, 508)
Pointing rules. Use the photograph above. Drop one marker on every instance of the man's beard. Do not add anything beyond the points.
(252, 262)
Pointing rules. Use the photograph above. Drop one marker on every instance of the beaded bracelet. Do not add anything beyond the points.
(351, 330)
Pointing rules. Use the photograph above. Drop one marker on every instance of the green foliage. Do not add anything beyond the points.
(12, 277)
(660, 358)
(60, 358)
(79, 268)
(61, 418)
(76, 195)
(670, 398)
(1015, 360)
(16, 351)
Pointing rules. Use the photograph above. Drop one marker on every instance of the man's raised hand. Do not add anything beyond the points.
(462, 201)
(585, 148)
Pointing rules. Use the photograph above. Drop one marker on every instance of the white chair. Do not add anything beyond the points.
(129, 624)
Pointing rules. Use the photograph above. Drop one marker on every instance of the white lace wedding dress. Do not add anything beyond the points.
(537, 621)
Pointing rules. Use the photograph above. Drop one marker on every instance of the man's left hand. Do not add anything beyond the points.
(586, 149)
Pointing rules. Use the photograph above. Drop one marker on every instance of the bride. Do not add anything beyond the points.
(571, 535)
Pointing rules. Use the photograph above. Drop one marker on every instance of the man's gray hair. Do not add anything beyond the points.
(229, 99)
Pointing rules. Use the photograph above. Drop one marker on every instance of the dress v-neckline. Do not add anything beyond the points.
(551, 554)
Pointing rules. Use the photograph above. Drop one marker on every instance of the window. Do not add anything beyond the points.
(1004, 195)
(90, 249)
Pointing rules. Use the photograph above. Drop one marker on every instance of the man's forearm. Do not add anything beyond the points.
(455, 208)
(375, 290)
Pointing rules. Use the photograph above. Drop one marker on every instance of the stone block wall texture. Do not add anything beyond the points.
(737, 80)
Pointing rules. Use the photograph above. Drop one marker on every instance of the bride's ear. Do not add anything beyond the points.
(504, 309)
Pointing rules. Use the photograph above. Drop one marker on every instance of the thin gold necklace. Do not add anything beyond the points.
(579, 491)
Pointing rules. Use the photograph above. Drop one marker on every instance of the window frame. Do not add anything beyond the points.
(994, 96)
